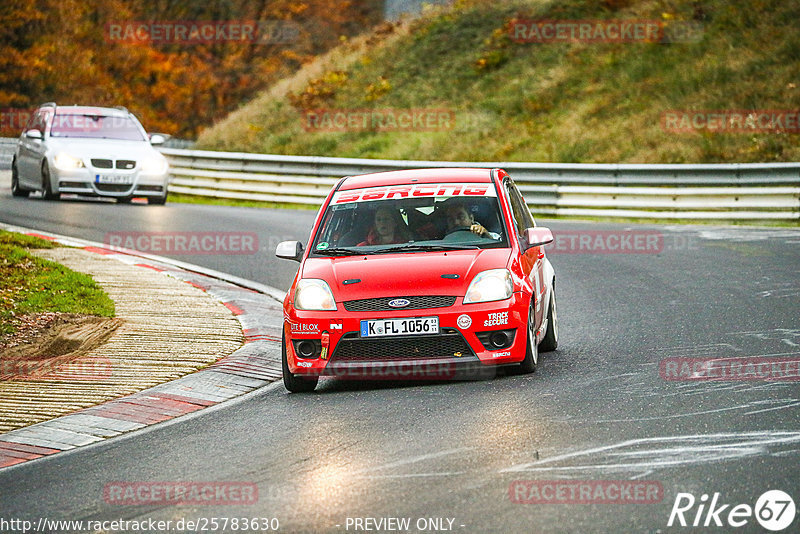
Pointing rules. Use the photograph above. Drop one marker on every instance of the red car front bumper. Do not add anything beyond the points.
(471, 337)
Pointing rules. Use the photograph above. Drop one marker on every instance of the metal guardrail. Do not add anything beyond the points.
(9, 144)
(7, 147)
(735, 191)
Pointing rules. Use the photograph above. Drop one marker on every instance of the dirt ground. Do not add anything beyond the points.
(50, 343)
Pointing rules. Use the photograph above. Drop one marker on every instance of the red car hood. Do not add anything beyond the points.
(398, 275)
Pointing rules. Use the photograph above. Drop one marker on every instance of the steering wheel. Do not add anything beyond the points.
(460, 233)
(460, 229)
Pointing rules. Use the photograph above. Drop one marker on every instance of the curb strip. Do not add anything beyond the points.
(254, 365)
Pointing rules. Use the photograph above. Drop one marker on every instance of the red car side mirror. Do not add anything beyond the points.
(538, 236)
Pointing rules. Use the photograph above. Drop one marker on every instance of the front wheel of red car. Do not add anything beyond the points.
(292, 382)
(528, 365)
(550, 340)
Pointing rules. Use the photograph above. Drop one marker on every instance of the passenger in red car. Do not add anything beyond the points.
(388, 228)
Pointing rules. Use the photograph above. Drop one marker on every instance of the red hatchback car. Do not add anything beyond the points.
(419, 274)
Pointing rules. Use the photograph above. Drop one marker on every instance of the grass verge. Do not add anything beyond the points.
(760, 223)
(551, 102)
(29, 284)
(192, 199)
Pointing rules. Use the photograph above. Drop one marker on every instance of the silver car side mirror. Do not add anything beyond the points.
(33, 134)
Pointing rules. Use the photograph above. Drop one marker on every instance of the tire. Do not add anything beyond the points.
(528, 365)
(550, 340)
(157, 201)
(292, 382)
(16, 190)
(47, 188)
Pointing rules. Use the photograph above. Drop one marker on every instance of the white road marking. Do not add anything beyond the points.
(797, 403)
(648, 454)
(674, 416)
(418, 475)
(412, 460)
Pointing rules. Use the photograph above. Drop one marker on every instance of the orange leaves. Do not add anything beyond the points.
(319, 91)
(61, 50)
(378, 89)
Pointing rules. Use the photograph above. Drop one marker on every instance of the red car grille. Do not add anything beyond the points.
(382, 304)
(449, 344)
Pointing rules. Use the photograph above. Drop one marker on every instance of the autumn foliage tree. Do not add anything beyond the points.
(61, 50)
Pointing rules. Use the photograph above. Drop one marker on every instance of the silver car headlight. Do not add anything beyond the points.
(155, 164)
(66, 162)
(487, 286)
(314, 294)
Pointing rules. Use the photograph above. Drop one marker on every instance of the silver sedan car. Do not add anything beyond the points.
(90, 151)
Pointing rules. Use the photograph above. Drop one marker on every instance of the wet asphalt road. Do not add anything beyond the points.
(449, 456)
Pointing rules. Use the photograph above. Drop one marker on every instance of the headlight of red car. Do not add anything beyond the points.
(494, 284)
(314, 294)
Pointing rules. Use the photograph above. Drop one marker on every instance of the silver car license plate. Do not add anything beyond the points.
(118, 179)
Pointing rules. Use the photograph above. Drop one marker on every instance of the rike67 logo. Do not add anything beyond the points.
(774, 510)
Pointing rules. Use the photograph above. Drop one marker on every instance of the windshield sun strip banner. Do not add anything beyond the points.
(397, 192)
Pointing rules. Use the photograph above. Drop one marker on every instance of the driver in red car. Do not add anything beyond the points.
(459, 218)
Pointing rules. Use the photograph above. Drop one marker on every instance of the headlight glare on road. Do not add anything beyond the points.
(65, 162)
(314, 294)
(155, 164)
(487, 286)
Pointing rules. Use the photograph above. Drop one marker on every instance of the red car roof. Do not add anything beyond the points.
(424, 176)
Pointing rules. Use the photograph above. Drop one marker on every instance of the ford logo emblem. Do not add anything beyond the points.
(399, 303)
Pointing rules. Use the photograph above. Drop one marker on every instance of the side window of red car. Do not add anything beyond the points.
(522, 215)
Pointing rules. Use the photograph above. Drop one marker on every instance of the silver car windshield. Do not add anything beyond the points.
(411, 218)
(95, 127)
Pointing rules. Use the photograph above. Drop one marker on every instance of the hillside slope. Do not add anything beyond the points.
(549, 101)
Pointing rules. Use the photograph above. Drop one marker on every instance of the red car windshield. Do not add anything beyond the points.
(410, 218)
(96, 127)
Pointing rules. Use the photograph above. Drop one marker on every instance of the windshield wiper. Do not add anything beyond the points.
(342, 252)
(412, 247)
